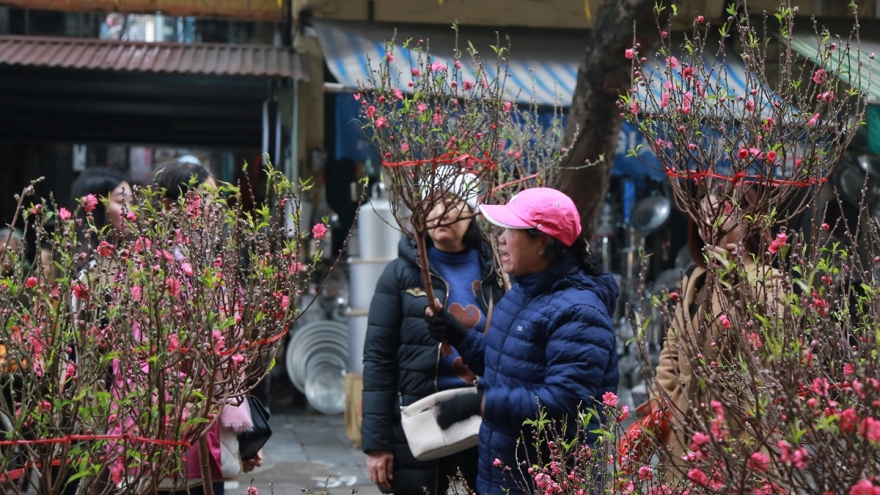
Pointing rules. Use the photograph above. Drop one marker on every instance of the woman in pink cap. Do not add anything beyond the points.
(551, 341)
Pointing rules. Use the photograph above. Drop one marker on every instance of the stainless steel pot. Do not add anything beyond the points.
(363, 275)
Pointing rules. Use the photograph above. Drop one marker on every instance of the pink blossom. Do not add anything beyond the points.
(421, 107)
(237, 359)
(870, 428)
(758, 462)
(698, 440)
(105, 249)
(672, 62)
(468, 85)
(187, 269)
(404, 147)
(136, 293)
(825, 226)
(698, 476)
(398, 94)
(389, 57)
(173, 343)
(848, 420)
(438, 118)
(820, 76)
(628, 53)
(664, 99)
(64, 214)
(624, 414)
(646, 473)
(634, 108)
(742, 153)
(813, 120)
(371, 111)
(848, 369)
(380, 122)
(700, 19)
(687, 72)
(750, 105)
(507, 106)
(437, 66)
(416, 72)
(779, 242)
(89, 202)
(771, 156)
(319, 230)
(609, 399)
(725, 321)
(81, 291)
(31, 282)
(864, 487)
(173, 286)
(357, 97)
(457, 64)
(496, 462)
(251, 490)
(117, 469)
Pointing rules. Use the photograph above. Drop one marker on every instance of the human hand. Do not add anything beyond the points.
(444, 326)
(380, 465)
(459, 409)
(256, 461)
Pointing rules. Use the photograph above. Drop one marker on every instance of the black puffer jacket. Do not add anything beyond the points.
(401, 360)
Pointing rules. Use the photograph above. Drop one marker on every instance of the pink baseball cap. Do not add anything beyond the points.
(547, 210)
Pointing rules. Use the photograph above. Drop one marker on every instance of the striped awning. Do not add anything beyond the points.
(844, 61)
(542, 67)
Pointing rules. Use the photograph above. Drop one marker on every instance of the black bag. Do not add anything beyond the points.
(251, 441)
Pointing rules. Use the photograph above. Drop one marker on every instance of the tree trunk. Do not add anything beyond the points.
(604, 74)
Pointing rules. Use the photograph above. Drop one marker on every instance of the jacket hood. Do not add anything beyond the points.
(604, 286)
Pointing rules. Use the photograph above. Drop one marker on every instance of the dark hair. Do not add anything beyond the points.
(752, 242)
(587, 259)
(99, 181)
(174, 178)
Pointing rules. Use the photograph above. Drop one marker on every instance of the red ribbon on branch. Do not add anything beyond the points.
(446, 158)
(93, 438)
(742, 176)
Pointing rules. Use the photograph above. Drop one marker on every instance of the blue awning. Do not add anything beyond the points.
(542, 68)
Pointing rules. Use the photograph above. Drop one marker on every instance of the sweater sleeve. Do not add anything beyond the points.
(381, 348)
(578, 354)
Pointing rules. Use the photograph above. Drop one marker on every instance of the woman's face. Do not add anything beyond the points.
(718, 217)
(118, 203)
(446, 225)
(521, 252)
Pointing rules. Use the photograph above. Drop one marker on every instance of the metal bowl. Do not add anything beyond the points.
(651, 214)
(315, 338)
(325, 389)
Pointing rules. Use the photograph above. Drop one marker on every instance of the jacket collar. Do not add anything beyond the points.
(542, 281)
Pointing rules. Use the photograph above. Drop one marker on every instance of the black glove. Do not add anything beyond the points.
(444, 326)
(459, 409)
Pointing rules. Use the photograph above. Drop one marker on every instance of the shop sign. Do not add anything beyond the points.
(245, 10)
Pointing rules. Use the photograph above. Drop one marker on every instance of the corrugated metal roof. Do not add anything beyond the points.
(169, 58)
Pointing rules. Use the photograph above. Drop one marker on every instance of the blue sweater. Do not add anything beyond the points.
(551, 341)
(462, 272)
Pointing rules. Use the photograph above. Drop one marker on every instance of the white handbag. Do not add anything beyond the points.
(426, 439)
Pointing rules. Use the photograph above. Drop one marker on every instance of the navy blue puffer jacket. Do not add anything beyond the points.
(551, 341)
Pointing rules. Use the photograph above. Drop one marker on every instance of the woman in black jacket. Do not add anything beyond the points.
(403, 364)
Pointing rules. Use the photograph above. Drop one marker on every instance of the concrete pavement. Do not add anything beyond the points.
(308, 452)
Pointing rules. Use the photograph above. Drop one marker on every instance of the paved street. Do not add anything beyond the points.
(308, 451)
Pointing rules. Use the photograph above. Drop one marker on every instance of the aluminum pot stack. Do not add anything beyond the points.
(378, 236)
